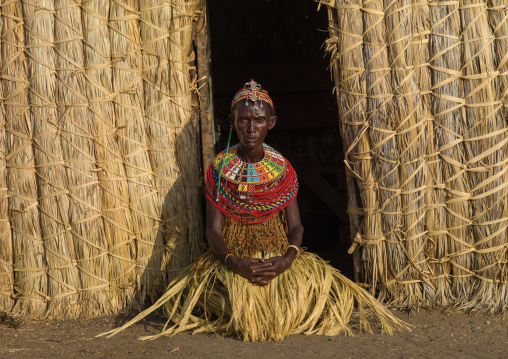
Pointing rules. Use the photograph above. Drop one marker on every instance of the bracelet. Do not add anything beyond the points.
(226, 258)
(295, 247)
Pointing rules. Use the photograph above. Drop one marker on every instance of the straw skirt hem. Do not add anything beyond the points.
(311, 297)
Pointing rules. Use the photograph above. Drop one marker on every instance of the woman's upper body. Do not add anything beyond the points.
(259, 200)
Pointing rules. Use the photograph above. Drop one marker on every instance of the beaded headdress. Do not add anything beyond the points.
(252, 91)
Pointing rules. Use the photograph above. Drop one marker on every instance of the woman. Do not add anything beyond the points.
(256, 283)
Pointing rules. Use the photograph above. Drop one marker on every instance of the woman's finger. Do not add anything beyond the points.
(264, 271)
(263, 278)
(261, 283)
(257, 267)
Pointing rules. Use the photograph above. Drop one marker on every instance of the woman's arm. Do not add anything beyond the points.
(272, 267)
(214, 231)
(242, 266)
(295, 228)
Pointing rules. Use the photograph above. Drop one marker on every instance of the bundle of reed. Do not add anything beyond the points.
(380, 113)
(115, 272)
(154, 32)
(30, 279)
(76, 131)
(345, 48)
(168, 113)
(497, 18)
(486, 155)
(6, 257)
(52, 183)
(437, 289)
(449, 129)
(186, 141)
(410, 140)
(129, 104)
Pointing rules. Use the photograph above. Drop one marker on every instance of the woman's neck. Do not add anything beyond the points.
(251, 155)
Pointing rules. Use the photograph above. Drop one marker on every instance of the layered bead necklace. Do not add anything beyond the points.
(251, 192)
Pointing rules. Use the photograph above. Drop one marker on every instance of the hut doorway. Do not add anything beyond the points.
(279, 44)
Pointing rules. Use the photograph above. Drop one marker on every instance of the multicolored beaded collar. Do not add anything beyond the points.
(251, 192)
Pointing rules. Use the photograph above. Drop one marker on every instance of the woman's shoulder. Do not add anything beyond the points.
(221, 156)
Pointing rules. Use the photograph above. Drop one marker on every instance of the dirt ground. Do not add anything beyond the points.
(435, 335)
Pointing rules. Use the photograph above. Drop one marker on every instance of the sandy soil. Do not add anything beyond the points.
(435, 335)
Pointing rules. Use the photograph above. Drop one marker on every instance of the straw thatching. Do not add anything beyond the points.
(99, 162)
(421, 89)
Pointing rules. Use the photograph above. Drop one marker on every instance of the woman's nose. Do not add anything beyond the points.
(250, 127)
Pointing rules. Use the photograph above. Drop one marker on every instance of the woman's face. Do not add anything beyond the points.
(252, 123)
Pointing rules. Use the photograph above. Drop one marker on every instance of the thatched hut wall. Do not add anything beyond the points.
(99, 161)
(99, 158)
(421, 90)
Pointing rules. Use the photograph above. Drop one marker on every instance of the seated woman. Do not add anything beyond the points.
(256, 283)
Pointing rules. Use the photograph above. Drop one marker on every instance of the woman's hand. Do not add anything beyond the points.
(270, 268)
(244, 267)
(260, 271)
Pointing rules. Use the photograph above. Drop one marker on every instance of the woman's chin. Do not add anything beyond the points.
(251, 145)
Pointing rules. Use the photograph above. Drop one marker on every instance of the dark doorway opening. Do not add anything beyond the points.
(278, 43)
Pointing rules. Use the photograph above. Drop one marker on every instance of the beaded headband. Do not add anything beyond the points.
(252, 91)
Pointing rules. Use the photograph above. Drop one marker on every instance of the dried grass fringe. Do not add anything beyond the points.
(309, 298)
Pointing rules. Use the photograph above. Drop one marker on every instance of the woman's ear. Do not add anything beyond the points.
(231, 121)
(273, 121)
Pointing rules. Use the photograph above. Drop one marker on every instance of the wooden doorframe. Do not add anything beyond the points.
(204, 87)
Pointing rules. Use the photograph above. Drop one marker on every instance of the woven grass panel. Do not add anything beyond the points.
(99, 163)
(422, 94)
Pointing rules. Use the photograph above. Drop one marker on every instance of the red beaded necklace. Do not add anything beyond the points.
(251, 192)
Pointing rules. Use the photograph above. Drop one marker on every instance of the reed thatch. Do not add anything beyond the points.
(421, 89)
(129, 110)
(167, 95)
(28, 255)
(51, 179)
(99, 168)
(6, 258)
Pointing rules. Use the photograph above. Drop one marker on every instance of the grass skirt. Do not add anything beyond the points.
(311, 297)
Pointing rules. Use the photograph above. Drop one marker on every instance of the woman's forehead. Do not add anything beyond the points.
(252, 109)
